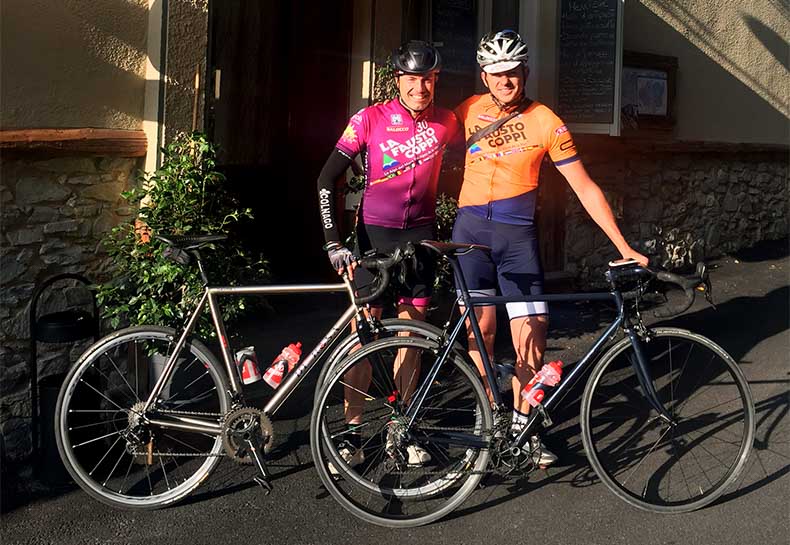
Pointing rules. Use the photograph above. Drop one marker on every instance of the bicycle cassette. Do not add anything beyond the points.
(239, 426)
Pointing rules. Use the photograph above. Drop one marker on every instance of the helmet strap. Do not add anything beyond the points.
(511, 105)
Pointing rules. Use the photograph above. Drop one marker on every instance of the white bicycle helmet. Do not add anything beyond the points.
(501, 51)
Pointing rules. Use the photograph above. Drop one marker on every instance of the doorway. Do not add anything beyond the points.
(276, 106)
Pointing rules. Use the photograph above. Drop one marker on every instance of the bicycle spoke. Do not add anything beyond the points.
(625, 482)
(97, 439)
(185, 388)
(115, 366)
(101, 423)
(102, 395)
(164, 472)
(126, 477)
(355, 389)
(105, 455)
(114, 467)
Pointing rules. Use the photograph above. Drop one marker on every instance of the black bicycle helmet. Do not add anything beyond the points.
(416, 57)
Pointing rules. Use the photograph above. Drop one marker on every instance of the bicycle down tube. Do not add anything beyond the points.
(293, 379)
(576, 371)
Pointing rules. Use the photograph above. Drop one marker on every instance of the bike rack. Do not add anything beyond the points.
(58, 327)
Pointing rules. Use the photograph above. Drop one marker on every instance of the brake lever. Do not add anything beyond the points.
(402, 272)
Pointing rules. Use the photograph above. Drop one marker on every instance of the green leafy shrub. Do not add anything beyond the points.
(384, 86)
(186, 196)
(446, 212)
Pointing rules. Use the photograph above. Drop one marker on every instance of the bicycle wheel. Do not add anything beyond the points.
(453, 425)
(390, 327)
(647, 462)
(106, 444)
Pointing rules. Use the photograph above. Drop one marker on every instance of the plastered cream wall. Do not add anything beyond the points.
(733, 80)
(187, 35)
(72, 63)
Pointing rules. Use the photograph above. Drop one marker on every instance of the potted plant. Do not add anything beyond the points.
(185, 196)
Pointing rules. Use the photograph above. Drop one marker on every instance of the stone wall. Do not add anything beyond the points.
(54, 214)
(680, 208)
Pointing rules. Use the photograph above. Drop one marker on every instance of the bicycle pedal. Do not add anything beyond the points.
(265, 484)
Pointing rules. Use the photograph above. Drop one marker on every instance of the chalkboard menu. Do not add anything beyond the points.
(587, 54)
(454, 30)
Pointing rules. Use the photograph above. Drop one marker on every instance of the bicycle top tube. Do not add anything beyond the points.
(276, 288)
(547, 297)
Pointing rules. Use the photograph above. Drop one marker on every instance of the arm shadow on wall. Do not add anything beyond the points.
(738, 99)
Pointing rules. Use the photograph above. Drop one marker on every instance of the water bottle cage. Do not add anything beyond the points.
(547, 422)
(286, 369)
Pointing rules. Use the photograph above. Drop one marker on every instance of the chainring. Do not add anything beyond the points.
(237, 425)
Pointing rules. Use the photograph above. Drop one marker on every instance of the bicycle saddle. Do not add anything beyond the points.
(446, 248)
(189, 242)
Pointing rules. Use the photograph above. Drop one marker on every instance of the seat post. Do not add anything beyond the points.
(200, 267)
(460, 282)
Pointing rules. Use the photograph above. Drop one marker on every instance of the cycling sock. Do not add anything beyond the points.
(352, 436)
(519, 421)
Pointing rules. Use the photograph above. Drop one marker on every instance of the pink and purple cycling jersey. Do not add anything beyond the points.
(402, 157)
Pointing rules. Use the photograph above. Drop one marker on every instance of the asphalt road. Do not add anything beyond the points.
(563, 505)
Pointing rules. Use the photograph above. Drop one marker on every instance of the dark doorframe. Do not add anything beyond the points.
(552, 199)
(283, 102)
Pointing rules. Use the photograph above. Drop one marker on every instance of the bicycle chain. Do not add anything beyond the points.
(224, 454)
(445, 428)
(501, 423)
(184, 454)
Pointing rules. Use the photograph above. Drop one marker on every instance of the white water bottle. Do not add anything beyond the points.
(247, 363)
(544, 381)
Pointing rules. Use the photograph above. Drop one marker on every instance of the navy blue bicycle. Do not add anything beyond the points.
(667, 417)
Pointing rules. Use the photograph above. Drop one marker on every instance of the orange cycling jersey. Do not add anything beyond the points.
(501, 170)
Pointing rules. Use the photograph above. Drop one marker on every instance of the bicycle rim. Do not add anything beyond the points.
(108, 450)
(393, 487)
(646, 461)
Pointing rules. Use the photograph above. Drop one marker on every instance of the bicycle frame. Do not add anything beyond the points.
(211, 298)
(576, 371)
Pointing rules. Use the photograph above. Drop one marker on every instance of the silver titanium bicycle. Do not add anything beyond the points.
(146, 413)
(667, 417)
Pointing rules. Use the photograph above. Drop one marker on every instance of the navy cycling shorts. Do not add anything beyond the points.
(513, 266)
(417, 288)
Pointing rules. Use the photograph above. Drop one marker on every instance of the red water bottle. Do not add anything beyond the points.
(543, 381)
(247, 364)
(289, 356)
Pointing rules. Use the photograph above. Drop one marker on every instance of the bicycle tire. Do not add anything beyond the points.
(642, 459)
(99, 434)
(389, 327)
(389, 493)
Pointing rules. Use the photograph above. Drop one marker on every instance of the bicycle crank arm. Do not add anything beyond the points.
(264, 479)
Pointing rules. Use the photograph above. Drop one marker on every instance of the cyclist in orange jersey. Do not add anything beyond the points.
(497, 205)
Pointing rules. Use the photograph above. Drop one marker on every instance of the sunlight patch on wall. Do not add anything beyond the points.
(750, 45)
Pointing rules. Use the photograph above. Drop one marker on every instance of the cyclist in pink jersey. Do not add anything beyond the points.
(401, 143)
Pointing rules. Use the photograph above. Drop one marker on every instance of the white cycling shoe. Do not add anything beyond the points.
(417, 455)
(352, 457)
(542, 456)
